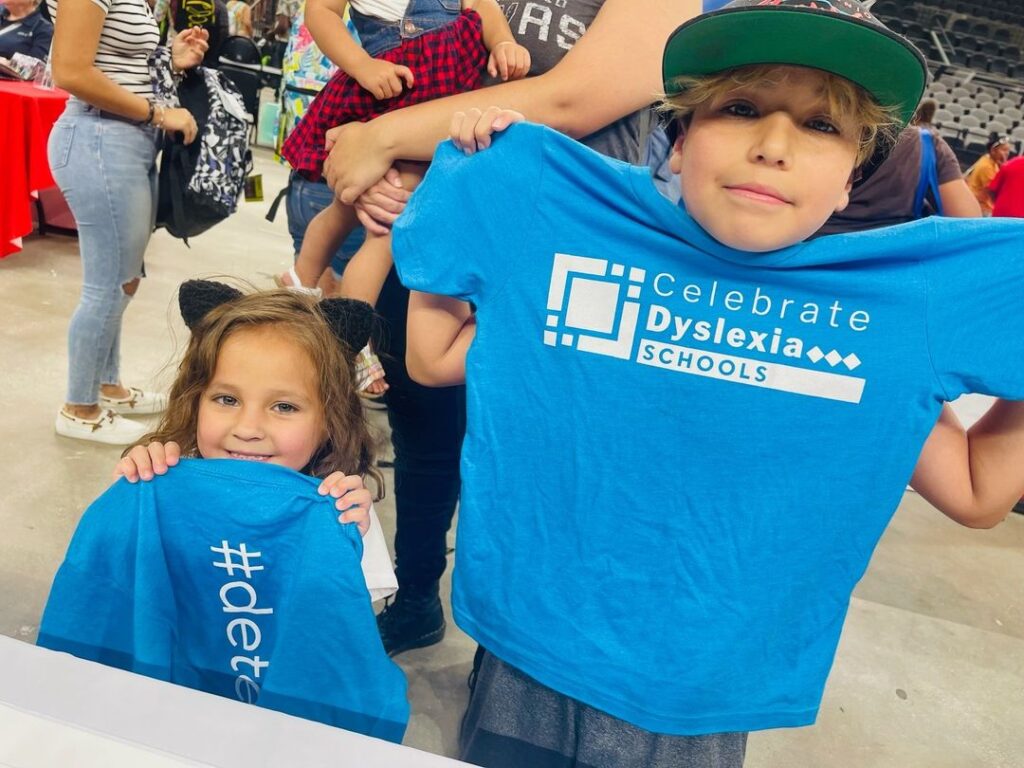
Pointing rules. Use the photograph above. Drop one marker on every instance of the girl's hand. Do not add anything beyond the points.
(353, 500)
(509, 60)
(382, 78)
(471, 130)
(379, 206)
(180, 120)
(189, 47)
(144, 461)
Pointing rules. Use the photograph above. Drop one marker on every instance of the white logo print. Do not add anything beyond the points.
(705, 329)
(586, 309)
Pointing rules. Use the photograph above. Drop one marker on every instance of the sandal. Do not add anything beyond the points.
(296, 284)
(368, 370)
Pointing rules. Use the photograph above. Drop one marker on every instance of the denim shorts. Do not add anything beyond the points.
(305, 200)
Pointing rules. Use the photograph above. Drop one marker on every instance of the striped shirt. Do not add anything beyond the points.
(128, 38)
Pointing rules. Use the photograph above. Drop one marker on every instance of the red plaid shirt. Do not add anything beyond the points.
(444, 61)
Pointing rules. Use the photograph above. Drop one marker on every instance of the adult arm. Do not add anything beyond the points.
(439, 332)
(245, 22)
(958, 200)
(613, 70)
(75, 40)
(974, 476)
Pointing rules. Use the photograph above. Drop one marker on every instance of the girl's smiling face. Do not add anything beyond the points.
(262, 403)
(764, 166)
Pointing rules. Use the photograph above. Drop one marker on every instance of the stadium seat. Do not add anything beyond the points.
(969, 121)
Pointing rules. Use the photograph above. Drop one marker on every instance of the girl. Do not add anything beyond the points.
(412, 51)
(267, 377)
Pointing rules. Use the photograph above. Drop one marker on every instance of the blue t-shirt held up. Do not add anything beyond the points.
(679, 456)
(232, 578)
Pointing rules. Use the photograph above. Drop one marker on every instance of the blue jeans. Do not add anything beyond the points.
(106, 170)
(304, 201)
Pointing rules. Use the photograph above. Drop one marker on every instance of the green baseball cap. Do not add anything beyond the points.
(837, 36)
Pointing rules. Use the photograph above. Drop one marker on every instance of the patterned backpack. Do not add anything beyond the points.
(200, 184)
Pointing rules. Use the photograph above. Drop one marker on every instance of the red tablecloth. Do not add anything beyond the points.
(27, 113)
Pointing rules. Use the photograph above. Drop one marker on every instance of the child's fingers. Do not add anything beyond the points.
(406, 74)
(139, 456)
(126, 468)
(464, 130)
(350, 498)
(503, 61)
(361, 518)
(492, 66)
(172, 453)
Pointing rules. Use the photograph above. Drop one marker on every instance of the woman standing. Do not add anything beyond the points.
(103, 156)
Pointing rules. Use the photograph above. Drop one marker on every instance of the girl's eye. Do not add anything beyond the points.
(823, 125)
(225, 400)
(285, 408)
(739, 109)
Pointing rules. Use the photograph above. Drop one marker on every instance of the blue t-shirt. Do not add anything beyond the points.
(679, 457)
(232, 578)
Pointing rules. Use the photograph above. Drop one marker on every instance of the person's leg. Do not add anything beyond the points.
(323, 236)
(427, 425)
(512, 720)
(103, 169)
(364, 275)
(366, 272)
(305, 200)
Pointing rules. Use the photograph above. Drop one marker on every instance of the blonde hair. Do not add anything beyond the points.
(879, 125)
(348, 447)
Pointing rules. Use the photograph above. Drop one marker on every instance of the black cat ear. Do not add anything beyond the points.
(350, 319)
(197, 297)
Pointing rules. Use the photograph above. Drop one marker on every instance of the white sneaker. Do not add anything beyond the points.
(107, 428)
(138, 403)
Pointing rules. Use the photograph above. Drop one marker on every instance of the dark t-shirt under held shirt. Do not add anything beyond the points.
(549, 29)
(886, 196)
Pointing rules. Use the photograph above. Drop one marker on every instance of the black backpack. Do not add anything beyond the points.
(200, 184)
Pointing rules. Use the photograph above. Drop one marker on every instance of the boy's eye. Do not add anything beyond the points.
(739, 109)
(225, 400)
(822, 124)
(285, 408)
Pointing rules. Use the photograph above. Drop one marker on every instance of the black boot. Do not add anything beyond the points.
(414, 620)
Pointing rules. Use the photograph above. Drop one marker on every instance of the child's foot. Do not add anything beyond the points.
(291, 281)
(370, 384)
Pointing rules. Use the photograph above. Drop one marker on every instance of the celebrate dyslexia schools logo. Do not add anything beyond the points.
(740, 335)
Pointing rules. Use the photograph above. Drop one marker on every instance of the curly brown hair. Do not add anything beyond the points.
(348, 448)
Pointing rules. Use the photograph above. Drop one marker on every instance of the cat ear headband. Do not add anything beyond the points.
(350, 320)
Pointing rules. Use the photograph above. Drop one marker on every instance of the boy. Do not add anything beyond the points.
(649, 596)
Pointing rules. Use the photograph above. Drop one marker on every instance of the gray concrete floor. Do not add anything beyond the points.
(929, 673)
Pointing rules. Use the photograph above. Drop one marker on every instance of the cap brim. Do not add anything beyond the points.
(885, 64)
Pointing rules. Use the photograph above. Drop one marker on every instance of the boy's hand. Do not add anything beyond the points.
(382, 78)
(145, 461)
(508, 60)
(471, 130)
(353, 500)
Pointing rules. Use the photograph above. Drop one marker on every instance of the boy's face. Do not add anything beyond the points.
(765, 165)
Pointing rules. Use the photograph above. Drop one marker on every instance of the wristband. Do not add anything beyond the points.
(149, 114)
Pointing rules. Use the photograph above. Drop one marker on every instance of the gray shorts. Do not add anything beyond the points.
(513, 721)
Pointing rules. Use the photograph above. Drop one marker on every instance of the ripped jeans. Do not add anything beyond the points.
(106, 170)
